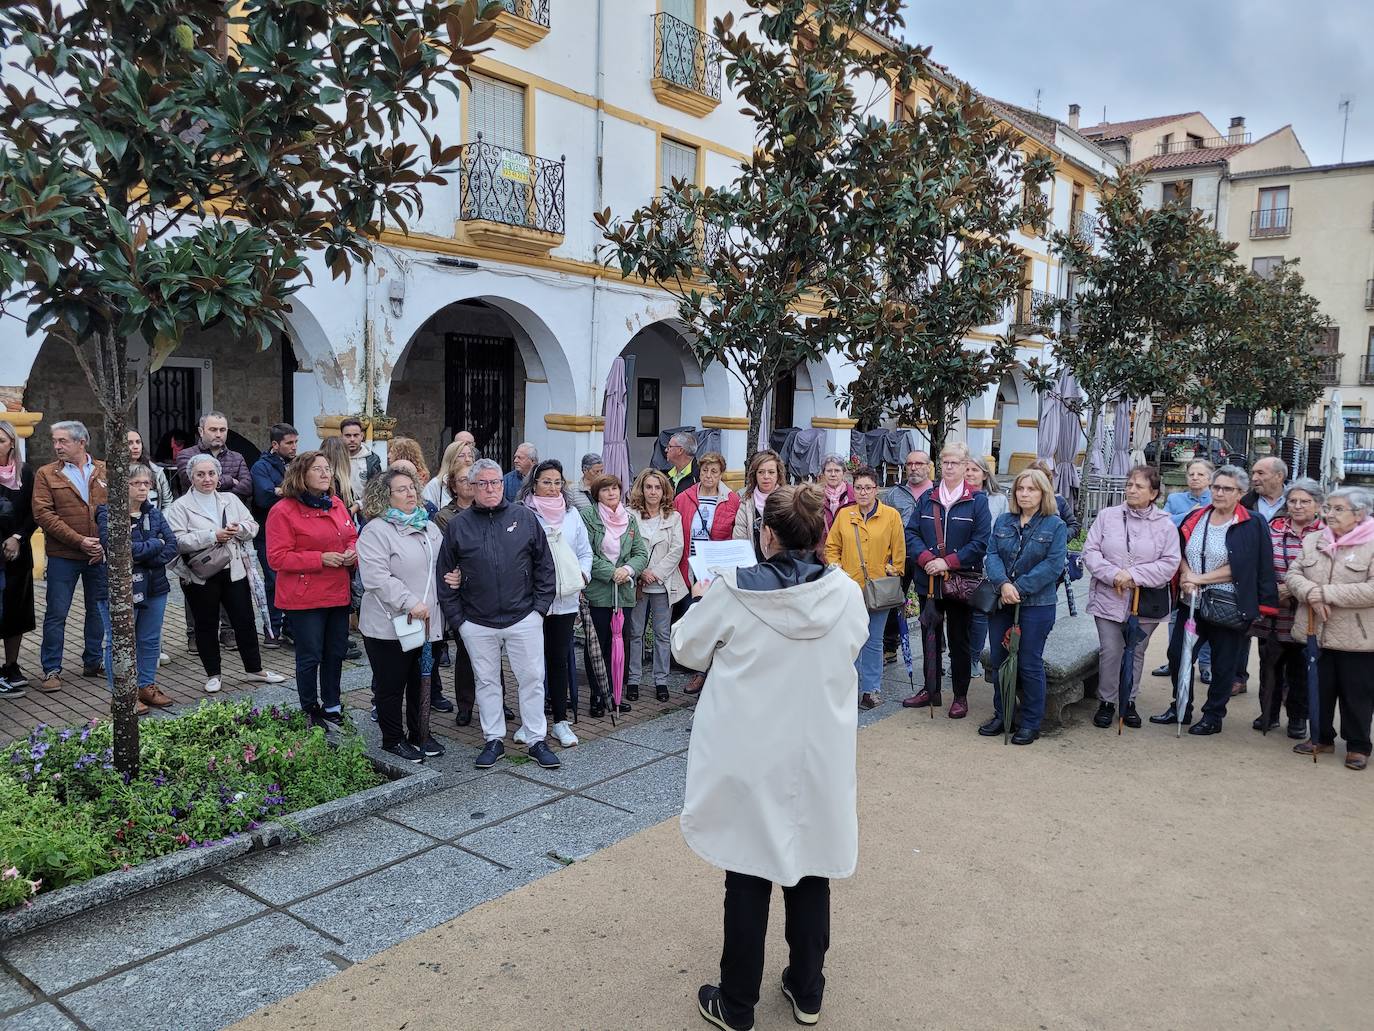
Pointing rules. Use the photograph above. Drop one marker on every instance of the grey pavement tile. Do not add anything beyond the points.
(284, 874)
(91, 944)
(12, 993)
(653, 793)
(46, 1017)
(572, 828)
(381, 909)
(670, 733)
(456, 810)
(589, 763)
(210, 984)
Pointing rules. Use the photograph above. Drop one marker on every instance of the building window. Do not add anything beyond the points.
(1330, 341)
(497, 112)
(646, 408)
(1178, 192)
(677, 161)
(1194, 141)
(1273, 217)
(1266, 267)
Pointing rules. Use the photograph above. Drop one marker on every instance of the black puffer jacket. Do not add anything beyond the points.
(507, 568)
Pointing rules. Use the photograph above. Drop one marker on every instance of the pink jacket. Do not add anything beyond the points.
(1153, 557)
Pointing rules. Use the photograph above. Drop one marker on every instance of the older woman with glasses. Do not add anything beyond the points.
(1283, 664)
(1333, 581)
(1228, 570)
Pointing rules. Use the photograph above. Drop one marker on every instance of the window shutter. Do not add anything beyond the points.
(498, 113)
(683, 10)
(679, 162)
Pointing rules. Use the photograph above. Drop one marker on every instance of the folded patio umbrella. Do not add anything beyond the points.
(1007, 673)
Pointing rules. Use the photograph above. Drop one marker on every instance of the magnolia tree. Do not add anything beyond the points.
(934, 258)
(755, 265)
(165, 168)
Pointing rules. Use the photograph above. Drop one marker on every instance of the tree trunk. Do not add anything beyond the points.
(753, 400)
(1081, 504)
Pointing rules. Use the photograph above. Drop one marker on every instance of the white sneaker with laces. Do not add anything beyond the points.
(521, 738)
(266, 676)
(563, 732)
(212, 686)
(163, 658)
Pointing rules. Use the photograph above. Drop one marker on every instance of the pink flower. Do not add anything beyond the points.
(11, 873)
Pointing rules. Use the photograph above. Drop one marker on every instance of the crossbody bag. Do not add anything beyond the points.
(1154, 602)
(211, 561)
(1218, 607)
(971, 589)
(883, 593)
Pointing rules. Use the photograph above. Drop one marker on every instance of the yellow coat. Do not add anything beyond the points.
(883, 537)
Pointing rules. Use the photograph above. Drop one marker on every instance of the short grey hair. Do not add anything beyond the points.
(141, 471)
(590, 459)
(1308, 486)
(212, 415)
(686, 441)
(1233, 472)
(1282, 465)
(1206, 463)
(480, 466)
(202, 459)
(77, 430)
(833, 459)
(529, 449)
(1358, 497)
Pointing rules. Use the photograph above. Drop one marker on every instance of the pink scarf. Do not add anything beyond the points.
(616, 521)
(1361, 533)
(835, 496)
(949, 497)
(10, 476)
(760, 499)
(551, 510)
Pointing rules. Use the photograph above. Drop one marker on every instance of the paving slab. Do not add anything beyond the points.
(210, 984)
(589, 763)
(652, 793)
(90, 945)
(12, 993)
(46, 1017)
(457, 810)
(572, 828)
(302, 867)
(381, 909)
(671, 733)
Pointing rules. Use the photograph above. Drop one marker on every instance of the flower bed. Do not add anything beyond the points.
(211, 775)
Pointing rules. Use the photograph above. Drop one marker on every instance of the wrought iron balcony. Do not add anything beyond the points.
(1369, 294)
(1268, 222)
(707, 238)
(510, 200)
(1083, 226)
(1030, 316)
(523, 22)
(1329, 370)
(1367, 370)
(1211, 143)
(686, 66)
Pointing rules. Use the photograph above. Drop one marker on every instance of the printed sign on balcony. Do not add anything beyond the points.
(515, 167)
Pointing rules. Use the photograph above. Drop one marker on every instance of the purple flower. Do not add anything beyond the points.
(65, 735)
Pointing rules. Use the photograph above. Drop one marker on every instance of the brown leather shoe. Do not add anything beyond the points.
(140, 709)
(152, 695)
(51, 683)
(1305, 748)
(1238, 687)
(695, 685)
(1356, 761)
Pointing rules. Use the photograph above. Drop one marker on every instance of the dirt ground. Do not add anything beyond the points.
(1088, 881)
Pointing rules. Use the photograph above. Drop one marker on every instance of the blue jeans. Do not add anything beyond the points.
(321, 641)
(63, 573)
(870, 660)
(1036, 623)
(147, 639)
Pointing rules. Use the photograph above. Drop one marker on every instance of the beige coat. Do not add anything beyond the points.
(665, 556)
(1346, 578)
(397, 567)
(195, 532)
(771, 787)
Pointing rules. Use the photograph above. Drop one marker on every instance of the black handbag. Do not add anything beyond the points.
(1150, 602)
(1219, 607)
(971, 589)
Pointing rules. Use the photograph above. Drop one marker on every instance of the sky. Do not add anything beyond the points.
(1272, 62)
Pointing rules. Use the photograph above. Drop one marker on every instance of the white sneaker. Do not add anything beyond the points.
(212, 686)
(163, 658)
(563, 732)
(975, 670)
(266, 676)
(521, 738)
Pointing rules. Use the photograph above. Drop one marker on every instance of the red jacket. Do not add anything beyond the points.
(297, 535)
(722, 523)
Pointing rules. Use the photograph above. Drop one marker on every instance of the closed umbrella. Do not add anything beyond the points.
(1183, 690)
(1007, 673)
(1140, 429)
(1316, 719)
(932, 622)
(615, 451)
(1333, 445)
(596, 658)
(1120, 463)
(904, 636)
(1133, 636)
(617, 659)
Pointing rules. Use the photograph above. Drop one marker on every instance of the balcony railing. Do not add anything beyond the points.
(1211, 143)
(511, 189)
(1269, 222)
(1030, 315)
(1083, 226)
(1367, 370)
(1329, 370)
(536, 11)
(523, 22)
(707, 238)
(686, 57)
(1369, 294)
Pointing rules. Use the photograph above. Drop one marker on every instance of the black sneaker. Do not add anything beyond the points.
(9, 690)
(464, 717)
(800, 1015)
(405, 750)
(661, 694)
(353, 652)
(443, 661)
(373, 713)
(96, 672)
(271, 643)
(709, 1005)
(334, 718)
(430, 747)
(1132, 718)
(440, 704)
(1160, 671)
(1106, 713)
(493, 750)
(632, 692)
(543, 755)
(13, 675)
(315, 718)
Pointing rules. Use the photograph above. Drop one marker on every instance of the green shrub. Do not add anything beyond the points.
(207, 776)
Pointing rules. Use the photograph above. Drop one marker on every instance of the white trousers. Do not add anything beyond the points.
(524, 643)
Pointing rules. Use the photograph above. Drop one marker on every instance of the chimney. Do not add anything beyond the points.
(1073, 116)
(1236, 134)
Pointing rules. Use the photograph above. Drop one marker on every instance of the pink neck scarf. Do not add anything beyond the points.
(1361, 533)
(949, 497)
(760, 499)
(834, 497)
(10, 475)
(551, 510)
(616, 521)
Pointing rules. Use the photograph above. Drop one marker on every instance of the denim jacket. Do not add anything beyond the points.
(1035, 573)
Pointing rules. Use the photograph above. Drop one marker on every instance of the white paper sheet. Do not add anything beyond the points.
(718, 555)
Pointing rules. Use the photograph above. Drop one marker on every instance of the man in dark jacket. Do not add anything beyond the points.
(268, 472)
(234, 477)
(496, 583)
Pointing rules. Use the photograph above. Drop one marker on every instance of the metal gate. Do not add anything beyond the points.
(479, 391)
(174, 405)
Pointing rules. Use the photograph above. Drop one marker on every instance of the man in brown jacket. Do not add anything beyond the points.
(66, 494)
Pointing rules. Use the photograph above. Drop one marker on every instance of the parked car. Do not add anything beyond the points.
(1179, 447)
(1359, 461)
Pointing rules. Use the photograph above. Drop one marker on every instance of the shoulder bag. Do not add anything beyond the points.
(972, 589)
(411, 633)
(883, 593)
(1215, 606)
(1154, 602)
(215, 559)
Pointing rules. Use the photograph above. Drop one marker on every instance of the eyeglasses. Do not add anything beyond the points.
(865, 488)
(487, 484)
(405, 488)
(1335, 509)
(549, 483)
(1225, 490)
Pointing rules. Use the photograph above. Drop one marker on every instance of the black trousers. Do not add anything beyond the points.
(807, 929)
(396, 674)
(204, 602)
(1229, 648)
(959, 634)
(464, 683)
(558, 636)
(1347, 678)
(1285, 662)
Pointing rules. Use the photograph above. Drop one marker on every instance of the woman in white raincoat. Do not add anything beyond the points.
(770, 773)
